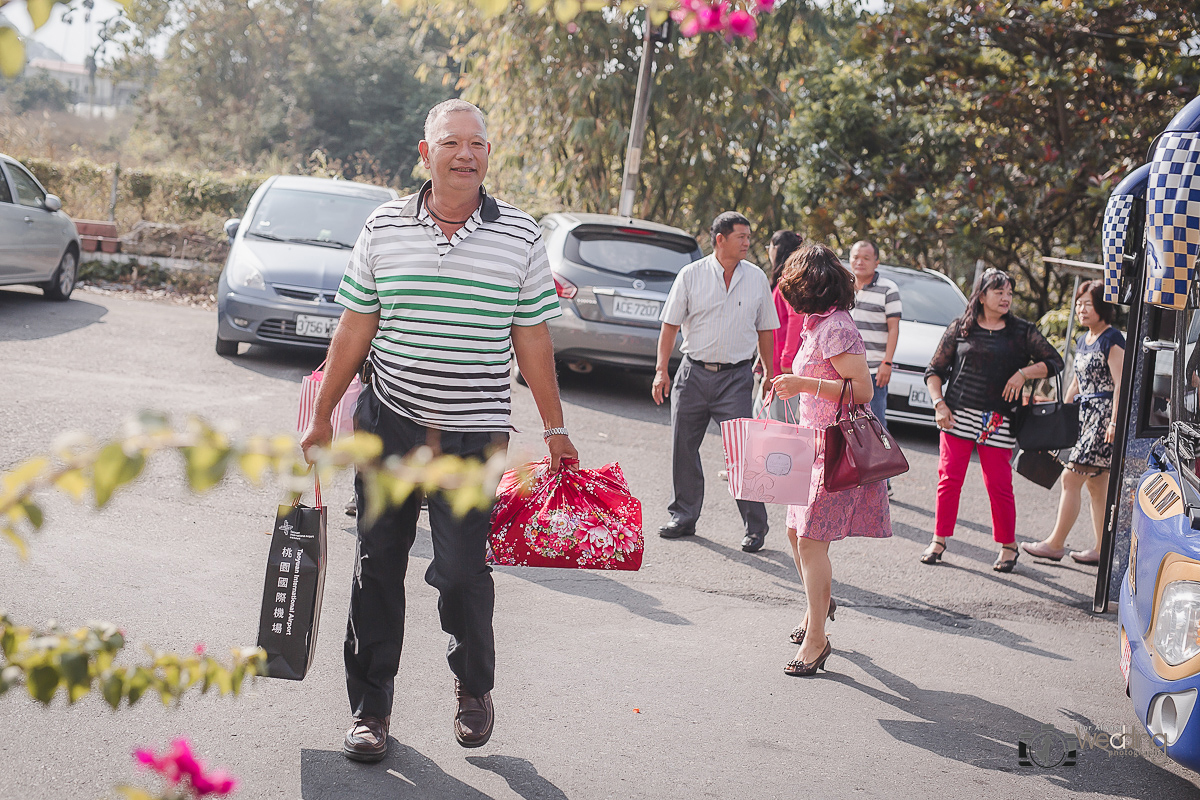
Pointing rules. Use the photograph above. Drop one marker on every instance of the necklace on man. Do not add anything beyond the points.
(439, 218)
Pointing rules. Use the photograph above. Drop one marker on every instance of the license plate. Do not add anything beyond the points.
(1126, 656)
(315, 327)
(631, 308)
(919, 396)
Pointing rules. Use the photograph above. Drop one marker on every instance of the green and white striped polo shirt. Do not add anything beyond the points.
(441, 355)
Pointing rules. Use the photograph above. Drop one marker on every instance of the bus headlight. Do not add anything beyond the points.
(1178, 623)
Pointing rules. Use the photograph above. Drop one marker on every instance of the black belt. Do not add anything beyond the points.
(714, 367)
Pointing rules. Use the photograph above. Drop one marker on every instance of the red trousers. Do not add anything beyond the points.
(997, 478)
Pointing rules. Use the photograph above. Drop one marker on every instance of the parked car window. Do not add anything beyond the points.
(27, 191)
(296, 215)
(634, 253)
(5, 193)
(928, 300)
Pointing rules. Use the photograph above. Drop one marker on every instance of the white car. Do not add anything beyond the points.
(931, 302)
(38, 242)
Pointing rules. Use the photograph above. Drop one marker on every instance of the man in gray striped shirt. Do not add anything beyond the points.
(440, 286)
(876, 314)
(723, 305)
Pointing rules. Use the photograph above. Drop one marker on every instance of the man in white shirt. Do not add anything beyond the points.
(723, 305)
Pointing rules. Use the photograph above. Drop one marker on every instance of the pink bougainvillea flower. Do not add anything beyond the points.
(712, 18)
(765, 6)
(218, 783)
(200, 649)
(742, 23)
(572, 27)
(179, 763)
(689, 24)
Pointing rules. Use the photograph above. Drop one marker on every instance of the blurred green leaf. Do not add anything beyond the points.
(42, 682)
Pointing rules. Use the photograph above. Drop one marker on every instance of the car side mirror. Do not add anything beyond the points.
(52, 203)
(231, 227)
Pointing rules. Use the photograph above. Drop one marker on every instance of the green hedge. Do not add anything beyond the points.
(158, 195)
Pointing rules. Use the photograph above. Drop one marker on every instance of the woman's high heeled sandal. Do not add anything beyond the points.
(1006, 564)
(800, 669)
(797, 636)
(931, 556)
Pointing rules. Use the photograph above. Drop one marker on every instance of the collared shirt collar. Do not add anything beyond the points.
(488, 210)
(811, 320)
(720, 268)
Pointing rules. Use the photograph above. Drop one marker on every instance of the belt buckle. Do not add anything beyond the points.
(713, 367)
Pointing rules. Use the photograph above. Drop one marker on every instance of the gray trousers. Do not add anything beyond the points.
(698, 396)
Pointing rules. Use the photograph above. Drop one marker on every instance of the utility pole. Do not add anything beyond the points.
(641, 108)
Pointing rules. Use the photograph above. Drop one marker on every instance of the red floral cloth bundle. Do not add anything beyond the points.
(573, 518)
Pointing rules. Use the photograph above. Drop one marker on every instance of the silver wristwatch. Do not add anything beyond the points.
(554, 432)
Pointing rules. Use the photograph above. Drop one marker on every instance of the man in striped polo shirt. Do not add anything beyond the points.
(440, 286)
(876, 314)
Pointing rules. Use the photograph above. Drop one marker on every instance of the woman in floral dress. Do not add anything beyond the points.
(1099, 358)
(831, 352)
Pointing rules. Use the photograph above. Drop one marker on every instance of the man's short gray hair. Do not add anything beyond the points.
(449, 107)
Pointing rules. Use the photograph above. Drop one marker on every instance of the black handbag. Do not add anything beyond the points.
(291, 605)
(1048, 426)
(1040, 466)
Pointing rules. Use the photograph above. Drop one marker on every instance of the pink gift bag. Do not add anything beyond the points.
(769, 461)
(343, 413)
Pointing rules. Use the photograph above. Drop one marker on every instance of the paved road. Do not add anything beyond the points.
(662, 683)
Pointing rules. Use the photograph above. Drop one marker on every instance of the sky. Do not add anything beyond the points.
(73, 41)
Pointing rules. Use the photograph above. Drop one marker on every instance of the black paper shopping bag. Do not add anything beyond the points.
(291, 606)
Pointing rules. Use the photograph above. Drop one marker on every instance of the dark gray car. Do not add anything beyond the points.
(612, 275)
(38, 242)
(287, 256)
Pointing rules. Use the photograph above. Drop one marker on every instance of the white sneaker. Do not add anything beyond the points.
(723, 475)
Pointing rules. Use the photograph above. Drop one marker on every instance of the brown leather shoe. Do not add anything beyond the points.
(474, 718)
(367, 739)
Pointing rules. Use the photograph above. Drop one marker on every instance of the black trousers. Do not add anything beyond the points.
(459, 571)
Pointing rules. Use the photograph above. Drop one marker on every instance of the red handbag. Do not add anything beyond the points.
(858, 450)
(573, 518)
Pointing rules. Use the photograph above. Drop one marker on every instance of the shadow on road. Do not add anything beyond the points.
(522, 777)
(328, 775)
(26, 316)
(984, 734)
(959, 548)
(283, 363)
(592, 584)
(925, 512)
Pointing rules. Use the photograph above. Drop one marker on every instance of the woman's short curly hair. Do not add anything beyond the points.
(814, 281)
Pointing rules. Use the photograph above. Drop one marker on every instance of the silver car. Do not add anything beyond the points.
(931, 302)
(286, 259)
(38, 242)
(612, 275)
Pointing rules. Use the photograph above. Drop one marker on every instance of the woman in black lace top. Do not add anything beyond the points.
(975, 380)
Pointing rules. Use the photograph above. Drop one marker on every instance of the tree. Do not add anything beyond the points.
(559, 96)
(38, 91)
(358, 88)
(993, 131)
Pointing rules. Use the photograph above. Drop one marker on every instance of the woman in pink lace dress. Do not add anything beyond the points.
(831, 351)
